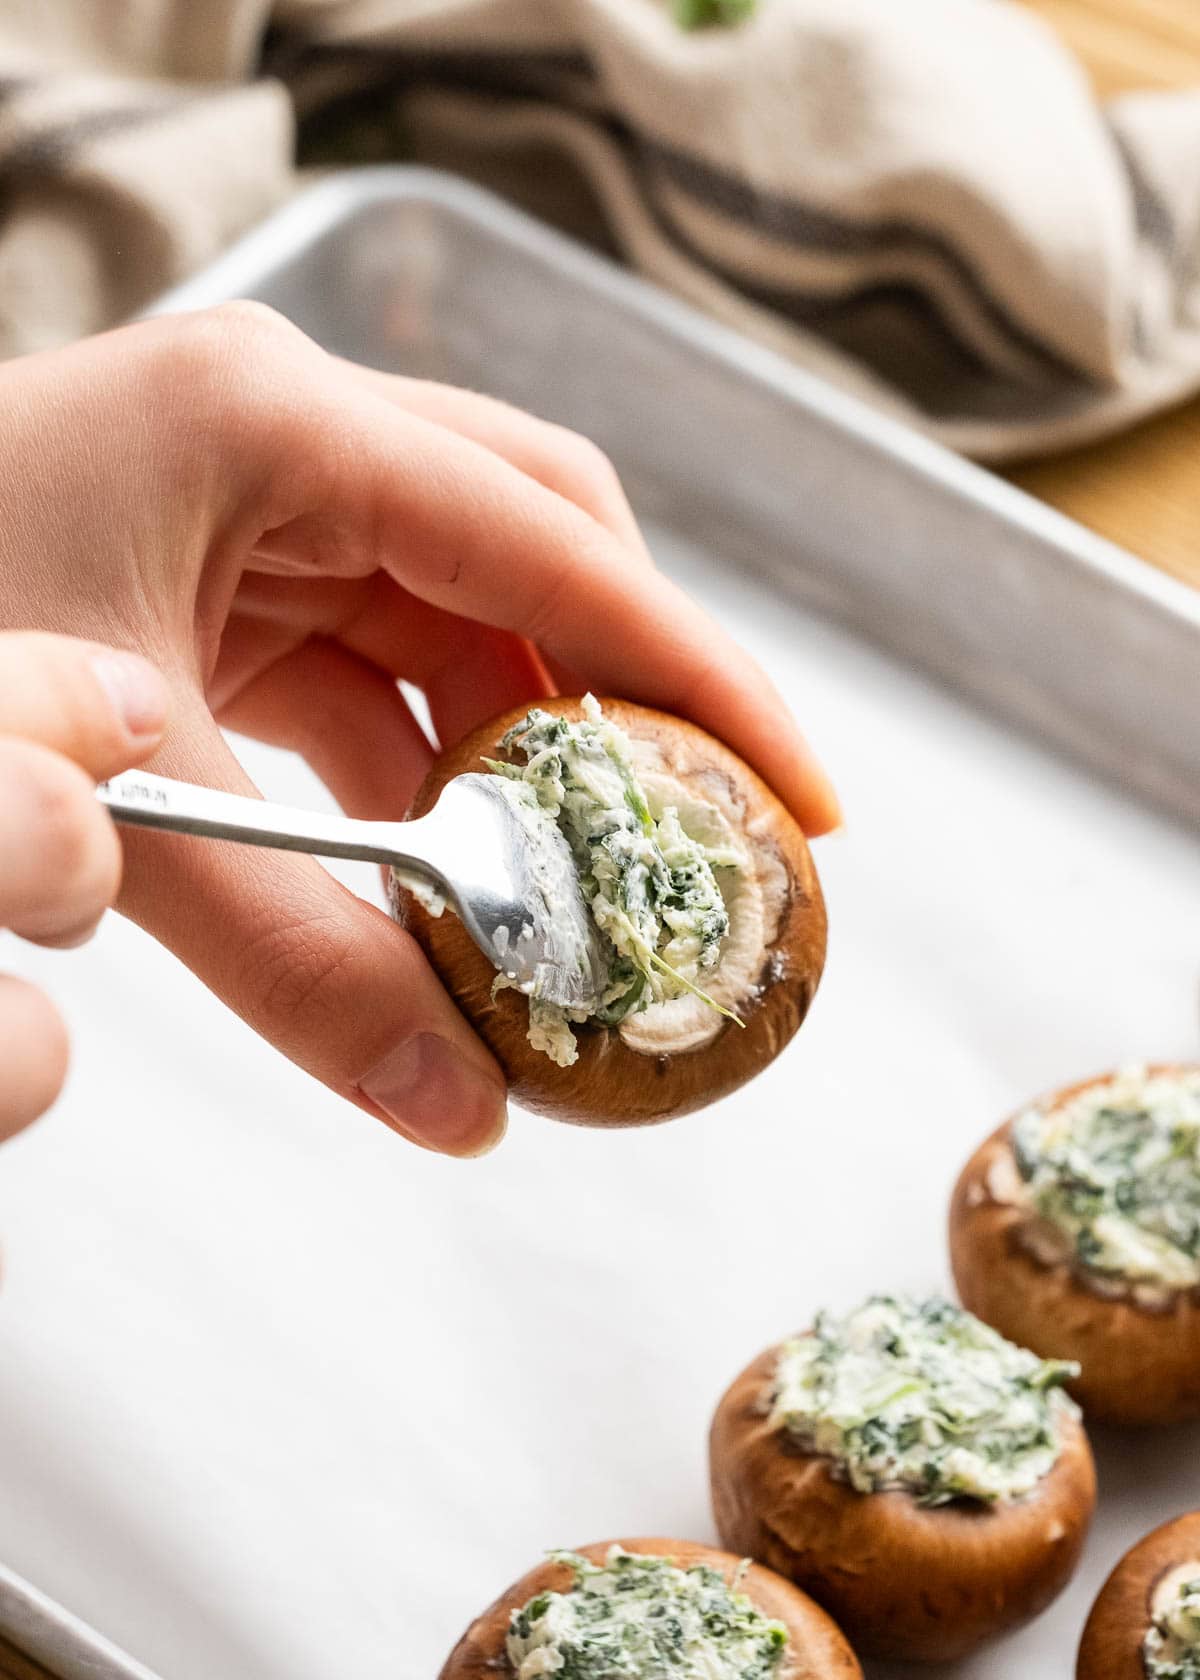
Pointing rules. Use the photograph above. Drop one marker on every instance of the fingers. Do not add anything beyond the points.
(560, 459)
(60, 862)
(33, 1054)
(343, 715)
(102, 708)
(318, 474)
(70, 713)
(468, 671)
(468, 533)
(324, 977)
(484, 674)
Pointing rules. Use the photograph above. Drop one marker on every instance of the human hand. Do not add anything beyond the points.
(71, 713)
(285, 535)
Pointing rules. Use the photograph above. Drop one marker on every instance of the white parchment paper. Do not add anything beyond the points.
(282, 1398)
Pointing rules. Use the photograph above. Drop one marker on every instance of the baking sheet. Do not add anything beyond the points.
(281, 1397)
(33, 1623)
(770, 468)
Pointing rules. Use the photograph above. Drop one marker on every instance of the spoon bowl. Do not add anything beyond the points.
(484, 849)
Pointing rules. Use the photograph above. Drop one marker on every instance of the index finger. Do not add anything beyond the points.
(467, 531)
(99, 706)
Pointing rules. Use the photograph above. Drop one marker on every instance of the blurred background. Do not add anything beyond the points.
(983, 217)
(280, 1398)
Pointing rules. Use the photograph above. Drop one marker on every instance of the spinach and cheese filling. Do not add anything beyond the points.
(921, 1395)
(698, 14)
(637, 1617)
(1116, 1170)
(1171, 1648)
(651, 888)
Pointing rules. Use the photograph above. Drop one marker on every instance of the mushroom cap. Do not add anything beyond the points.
(1111, 1646)
(612, 1084)
(1140, 1362)
(816, 1648)
(921, 1583)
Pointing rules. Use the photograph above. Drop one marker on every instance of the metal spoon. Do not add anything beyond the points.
(510, 879)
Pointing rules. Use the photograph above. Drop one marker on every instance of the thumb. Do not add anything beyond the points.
(101, 707)
(323, 976)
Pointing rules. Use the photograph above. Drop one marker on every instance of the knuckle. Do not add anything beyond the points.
(54, 1053)
(37, 1054)
(582, 465)
(53, 1049)
(49, 694)
(59, 826)
(94, 735)
(246, 322)
(73, 839)
(290, 971)
(226, 351)
(544, 618)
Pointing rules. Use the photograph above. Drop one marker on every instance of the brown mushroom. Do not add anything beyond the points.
(905, 1580)
(662, 1062)
(1138, 1348)
(816, 1648)
(1111, 1647)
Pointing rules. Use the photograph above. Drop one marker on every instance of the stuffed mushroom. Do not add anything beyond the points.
(1075, 1229)
(706, 905)
(926, 1481)
(1145, 1623)
(652, 1610)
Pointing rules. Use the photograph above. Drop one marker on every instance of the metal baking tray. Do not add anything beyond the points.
(42, 1630)
(729, 446)
(1022, 609)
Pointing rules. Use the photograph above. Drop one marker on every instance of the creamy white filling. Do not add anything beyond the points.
(699, 946)
(1114, 1173)
(638, 1617)
(431, 898)
(921, 1395)
(755, 895)
(698, 977)
(1171, 1648)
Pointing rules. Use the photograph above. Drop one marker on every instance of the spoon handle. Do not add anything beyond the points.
(146, 801)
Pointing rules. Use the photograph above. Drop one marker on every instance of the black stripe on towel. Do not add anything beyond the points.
(50, 151)
(11, 86)
(1155, 223)
(787, 221)
(513, 75)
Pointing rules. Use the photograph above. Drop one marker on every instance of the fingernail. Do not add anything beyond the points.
(835, 815)
(135, 690)
(434, 1096)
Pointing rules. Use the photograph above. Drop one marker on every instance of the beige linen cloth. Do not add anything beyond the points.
(918, 198)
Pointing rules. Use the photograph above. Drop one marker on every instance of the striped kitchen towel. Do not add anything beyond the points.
(922, 201)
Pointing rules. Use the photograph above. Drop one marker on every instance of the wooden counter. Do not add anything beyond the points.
(1142, 489)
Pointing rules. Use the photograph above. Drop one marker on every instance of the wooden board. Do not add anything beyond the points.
(1130, 43)
(1142, 489)
(15, 1666)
